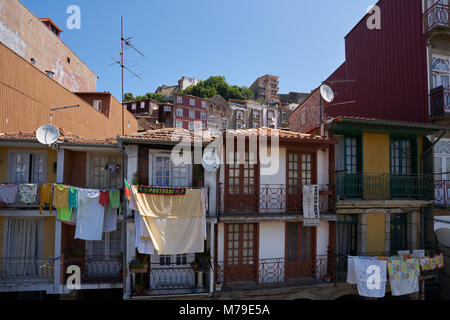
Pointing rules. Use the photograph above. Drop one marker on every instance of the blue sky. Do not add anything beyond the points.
(300, 41)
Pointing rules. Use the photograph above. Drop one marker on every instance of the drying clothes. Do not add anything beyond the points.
(27, 193)
(110, 221)
(143, 246)
(132, 203)
(46, 197)
(371, 277)
(114, 200)
(176, 224)
(61, 196)
(8, 193)
(90, 216)
(73, 197)
(404, 276)
(73, 218)
(351, 274)
(104, 198)
(65, 214)
(205, 199)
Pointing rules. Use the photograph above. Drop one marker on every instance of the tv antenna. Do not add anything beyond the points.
(125, 43)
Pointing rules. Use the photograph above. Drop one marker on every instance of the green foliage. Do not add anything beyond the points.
(155, 96)
(217, 85)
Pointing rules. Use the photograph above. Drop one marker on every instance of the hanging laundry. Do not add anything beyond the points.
(418, 253)
(143, 246)
(175, 223)
(205, 199)
(73, 197)
(127, 190)
(65, 214)
(46, 197)
(114, 200)
(404, 276)
(351, 273)
(104, 198)
(439, 261)
(61, 196)
(8, 193)
(371, 277)
(90, 216)
(28, 193)
(110, 220)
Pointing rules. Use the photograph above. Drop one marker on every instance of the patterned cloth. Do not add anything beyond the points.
(404, 276)
(371, 277)
(27, 193)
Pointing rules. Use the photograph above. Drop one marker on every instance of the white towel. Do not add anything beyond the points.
(143, 246)
(367, 270)
(110, 220)
(90, 216)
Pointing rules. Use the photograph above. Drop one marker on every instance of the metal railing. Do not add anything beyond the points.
(384, 186)
(274, 273)
(440, 101)
(96, 269)
(435, 17)
(22, 271)
(270, 199)
(177, 277)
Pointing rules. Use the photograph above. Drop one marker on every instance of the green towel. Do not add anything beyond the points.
(114, 201)
(65, 214)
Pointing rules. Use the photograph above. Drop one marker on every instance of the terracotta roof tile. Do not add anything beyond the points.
(166, 135)
(283, 134)
(65, 137)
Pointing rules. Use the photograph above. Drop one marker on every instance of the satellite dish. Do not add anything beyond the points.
(326, 93)
(210, 162)
(47, 134)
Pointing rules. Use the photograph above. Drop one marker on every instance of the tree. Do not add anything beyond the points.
(217, 85)
(155, 96)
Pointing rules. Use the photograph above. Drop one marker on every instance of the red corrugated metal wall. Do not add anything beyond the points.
(389, 67)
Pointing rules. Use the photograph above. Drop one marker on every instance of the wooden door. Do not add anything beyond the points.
(300, 171)
(241, 253)
(300, 251)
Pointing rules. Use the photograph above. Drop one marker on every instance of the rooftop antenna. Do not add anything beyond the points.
(123, 44)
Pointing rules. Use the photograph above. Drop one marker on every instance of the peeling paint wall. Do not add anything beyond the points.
(26, 35)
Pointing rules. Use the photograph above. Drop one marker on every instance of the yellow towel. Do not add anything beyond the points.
(46, 196)
(61, 196)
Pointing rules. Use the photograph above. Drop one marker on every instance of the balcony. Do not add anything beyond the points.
(96, 269)
(26, 271)
(384, 186)
(442, 193)
(436, 19)
(171, 279)
(440, 101)
(270, 200)
(274, 273)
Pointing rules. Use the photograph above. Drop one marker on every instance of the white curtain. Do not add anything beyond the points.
(25, 238)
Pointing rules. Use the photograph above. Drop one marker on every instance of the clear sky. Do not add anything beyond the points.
(300, 41)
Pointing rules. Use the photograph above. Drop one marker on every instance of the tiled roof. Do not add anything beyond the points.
(166, 135)
(65, 137)
(284, 135)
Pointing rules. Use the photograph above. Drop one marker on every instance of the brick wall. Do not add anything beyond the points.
(307, 115)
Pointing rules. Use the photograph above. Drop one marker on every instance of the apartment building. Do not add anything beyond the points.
(190, 112)
(38, 41)
(266, 88)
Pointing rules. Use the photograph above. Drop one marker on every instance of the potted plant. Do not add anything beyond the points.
(138, 265)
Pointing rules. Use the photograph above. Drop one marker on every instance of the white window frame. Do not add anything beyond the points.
(179, 112)
(133, 106)
(98, 105)
(179, 99)
(437, 75)
(142, 104)
(90, 173)
(192, 102)
(203, 115)
(151, 172)
(192, 114)
(204, 104)
(179, 124)
(191, 126)
(10, 177)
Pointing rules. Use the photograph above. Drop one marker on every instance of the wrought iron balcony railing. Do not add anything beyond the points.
(96, 269)
(384, 186)
(440, 101)
(171, 279)
(26, 271)
(266, 200)
(274, 273)
(436, 17)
